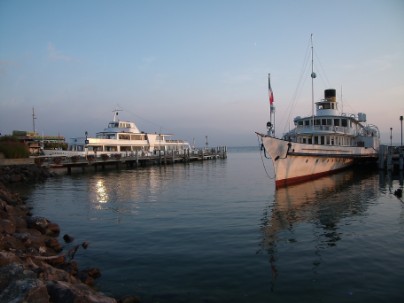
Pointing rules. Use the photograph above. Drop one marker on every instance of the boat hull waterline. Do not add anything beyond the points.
(295, 162)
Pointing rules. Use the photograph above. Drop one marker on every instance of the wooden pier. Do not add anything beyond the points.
(391, 158)
(131, 160)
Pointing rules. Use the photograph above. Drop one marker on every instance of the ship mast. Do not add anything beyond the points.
(115, 111)
(271, 124)
(313, 76)
(33, 120)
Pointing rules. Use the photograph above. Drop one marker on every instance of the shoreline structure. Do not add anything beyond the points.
(34, 266)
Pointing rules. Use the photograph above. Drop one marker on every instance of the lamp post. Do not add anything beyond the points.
(85, 144)
(391, 136)
(401, 122)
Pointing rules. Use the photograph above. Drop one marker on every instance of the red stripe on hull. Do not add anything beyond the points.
(301, 179)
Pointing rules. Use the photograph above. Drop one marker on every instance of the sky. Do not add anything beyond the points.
(197, 68)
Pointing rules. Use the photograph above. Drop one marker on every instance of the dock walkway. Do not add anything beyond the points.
(131, 160)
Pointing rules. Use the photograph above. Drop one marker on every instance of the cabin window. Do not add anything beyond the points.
(322, 140)
(307, 122)
(326, 105)
(300, 122)
(137, 137)
(328, 140)
(124, 137)
(304, 140)
(310, 141)
(323, 121)
(329, 121)
(317, 122)
(336, 122)
(315, 139)
(344, 122)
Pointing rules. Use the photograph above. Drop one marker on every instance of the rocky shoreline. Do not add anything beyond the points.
(33, 264)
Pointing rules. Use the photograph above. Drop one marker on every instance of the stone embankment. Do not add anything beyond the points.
(33, 264)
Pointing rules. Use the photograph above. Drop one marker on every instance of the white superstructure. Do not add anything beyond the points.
(122, 137)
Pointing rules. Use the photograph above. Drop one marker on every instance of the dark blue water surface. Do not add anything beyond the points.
(218, 231)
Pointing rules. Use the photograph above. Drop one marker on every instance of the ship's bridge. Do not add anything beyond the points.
(327, 106)
(122, 126)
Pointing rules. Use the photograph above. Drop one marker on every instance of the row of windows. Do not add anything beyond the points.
(327, 106)
(119, 124)
(131, 137)
(326, 140)
(326, 121)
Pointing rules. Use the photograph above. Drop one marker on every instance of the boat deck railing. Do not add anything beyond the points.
(325, 129)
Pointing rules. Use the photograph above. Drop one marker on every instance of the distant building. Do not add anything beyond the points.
(36, 143)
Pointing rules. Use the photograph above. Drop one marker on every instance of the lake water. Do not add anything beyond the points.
(217, 231)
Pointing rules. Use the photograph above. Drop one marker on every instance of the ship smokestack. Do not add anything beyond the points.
(330, 95)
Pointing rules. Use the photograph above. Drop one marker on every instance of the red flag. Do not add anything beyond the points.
(271, 94)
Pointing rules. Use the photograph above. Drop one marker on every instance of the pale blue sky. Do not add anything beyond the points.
(196, 68)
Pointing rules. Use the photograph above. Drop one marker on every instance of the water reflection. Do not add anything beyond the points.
(101, 191)
(387, 179)
(310, 215)
(122, 193)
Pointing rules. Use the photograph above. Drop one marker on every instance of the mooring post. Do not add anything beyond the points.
(382, 156)
(390, 158)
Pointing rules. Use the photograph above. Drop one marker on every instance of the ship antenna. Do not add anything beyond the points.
(115, 111)
(33, 120)
(313, 76)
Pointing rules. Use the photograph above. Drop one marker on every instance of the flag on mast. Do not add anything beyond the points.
(271, 94)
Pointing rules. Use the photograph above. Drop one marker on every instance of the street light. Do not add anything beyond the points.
(391, 136)
(401, 121)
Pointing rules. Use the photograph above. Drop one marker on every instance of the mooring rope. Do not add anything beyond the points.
(262, 148)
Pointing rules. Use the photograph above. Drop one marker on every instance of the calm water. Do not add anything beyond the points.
(218, 231)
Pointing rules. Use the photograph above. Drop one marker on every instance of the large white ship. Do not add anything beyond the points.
(121, 137)
(319, 144)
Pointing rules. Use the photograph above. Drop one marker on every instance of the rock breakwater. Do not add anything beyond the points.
(33, 264)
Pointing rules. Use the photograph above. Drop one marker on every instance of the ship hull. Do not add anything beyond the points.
(296, 162)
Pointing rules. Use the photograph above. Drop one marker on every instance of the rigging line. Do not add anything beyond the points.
(301, 82)
(262, 159)
(160, 127)
(324, 75)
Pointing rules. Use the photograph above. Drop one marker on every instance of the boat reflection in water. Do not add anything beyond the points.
(309, 220)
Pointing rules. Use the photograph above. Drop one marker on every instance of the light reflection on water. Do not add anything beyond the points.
(218, 232)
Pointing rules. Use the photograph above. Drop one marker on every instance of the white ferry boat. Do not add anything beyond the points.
(319, 144)
(121, 137)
